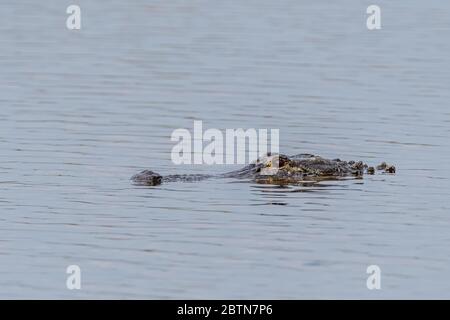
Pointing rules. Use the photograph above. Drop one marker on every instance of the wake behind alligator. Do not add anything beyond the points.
(277, 169)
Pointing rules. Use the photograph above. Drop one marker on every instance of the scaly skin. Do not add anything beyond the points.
(291, 170)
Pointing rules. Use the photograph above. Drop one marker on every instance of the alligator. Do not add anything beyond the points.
(277, 169)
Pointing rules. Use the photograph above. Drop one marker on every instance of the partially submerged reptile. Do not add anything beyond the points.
(277, 169)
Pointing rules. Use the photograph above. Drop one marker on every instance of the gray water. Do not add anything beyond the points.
(82, 111)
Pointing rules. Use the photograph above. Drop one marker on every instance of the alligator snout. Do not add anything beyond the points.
(147, 178)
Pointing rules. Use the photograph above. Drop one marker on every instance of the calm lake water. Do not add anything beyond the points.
(82, 111)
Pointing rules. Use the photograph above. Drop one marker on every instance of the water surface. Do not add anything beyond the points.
(82, 111)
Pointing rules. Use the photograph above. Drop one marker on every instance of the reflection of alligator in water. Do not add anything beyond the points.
(276, 169)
